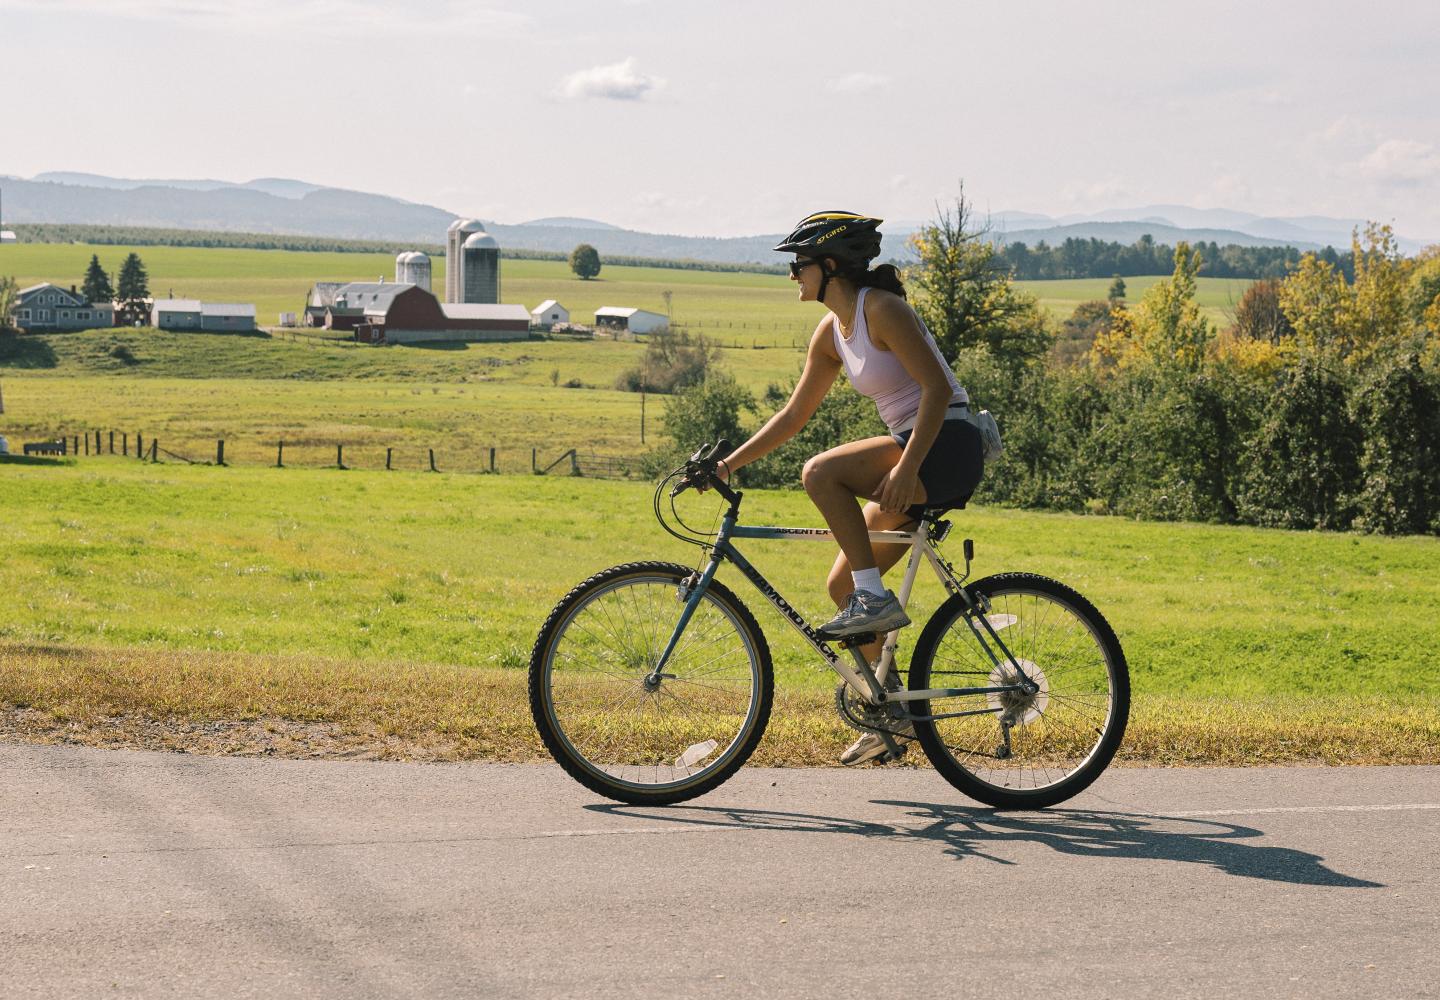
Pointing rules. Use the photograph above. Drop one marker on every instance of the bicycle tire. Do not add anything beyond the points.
(1067, 733)
(639, 730)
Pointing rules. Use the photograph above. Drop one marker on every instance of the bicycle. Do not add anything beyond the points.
(648, 707)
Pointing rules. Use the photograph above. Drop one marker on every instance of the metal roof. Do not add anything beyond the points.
(177, 305)
(481, 241)
(227, 309)
(474, 310)
(546, 306)
(625, 311)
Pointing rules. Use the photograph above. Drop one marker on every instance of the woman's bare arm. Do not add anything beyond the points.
(822, 365)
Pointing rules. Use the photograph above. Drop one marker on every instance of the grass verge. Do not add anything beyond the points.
(308, 706)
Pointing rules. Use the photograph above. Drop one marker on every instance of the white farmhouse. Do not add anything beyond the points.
(626, 319)
(548, 313)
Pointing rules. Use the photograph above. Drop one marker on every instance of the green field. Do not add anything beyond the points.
(737, 308)
(219, 572)
(188, 390)
(413, 566)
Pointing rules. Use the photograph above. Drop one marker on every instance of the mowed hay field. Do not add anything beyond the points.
(190, 390)
(734, 307)
(320, 612)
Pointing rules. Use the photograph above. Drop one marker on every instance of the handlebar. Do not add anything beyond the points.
(701, 471)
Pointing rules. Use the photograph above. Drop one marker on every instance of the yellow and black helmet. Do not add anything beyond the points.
(850, 238)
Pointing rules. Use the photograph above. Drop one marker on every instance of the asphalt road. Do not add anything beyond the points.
(129, 874)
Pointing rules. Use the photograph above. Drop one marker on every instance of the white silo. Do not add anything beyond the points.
(419, 269)
(453, 240)
(402, 268)
(480, 268)
(460, 230)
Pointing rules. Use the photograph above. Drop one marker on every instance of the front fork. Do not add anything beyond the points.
(695, 593)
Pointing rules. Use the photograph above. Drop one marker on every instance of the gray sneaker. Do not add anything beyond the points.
(866, 612)
(870, 746)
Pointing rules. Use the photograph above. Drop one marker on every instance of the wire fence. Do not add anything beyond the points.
(308, 453)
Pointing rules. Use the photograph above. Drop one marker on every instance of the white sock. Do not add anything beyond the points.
(869, 580)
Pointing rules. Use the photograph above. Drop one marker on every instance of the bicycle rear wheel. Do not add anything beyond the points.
(1061, 737)
(638, 744)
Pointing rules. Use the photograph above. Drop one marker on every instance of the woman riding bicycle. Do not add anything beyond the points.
(932, 455)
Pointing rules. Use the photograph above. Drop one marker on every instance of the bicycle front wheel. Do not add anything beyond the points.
(1015, 750)
(642, 742)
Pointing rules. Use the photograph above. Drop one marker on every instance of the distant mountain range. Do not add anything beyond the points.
(282, 205)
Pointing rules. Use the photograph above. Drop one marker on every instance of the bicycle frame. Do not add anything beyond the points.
(867, 682)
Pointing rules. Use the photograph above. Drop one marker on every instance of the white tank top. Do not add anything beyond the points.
(880, 375)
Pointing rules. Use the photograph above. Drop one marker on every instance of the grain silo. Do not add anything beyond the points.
(480, 268)
(461, 230)
(413, 268)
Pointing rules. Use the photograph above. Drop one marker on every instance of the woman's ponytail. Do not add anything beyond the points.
(885, 277)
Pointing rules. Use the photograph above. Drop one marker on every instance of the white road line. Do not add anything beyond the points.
(1304, 809)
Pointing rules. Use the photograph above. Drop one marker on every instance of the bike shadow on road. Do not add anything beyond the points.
(971, 832)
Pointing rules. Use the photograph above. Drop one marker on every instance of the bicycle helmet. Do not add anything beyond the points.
(852, 240)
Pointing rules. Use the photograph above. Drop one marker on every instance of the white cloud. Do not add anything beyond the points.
(1402, 161)
(858, 83)
(617, 82)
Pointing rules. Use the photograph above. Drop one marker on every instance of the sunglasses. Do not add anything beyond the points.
(796, 266)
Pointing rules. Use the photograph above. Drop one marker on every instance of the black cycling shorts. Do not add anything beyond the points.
(952, 468)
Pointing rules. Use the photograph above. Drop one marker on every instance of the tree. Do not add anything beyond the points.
(965, 295)
(1259, 316)
(585, 261)
(1166, 328)
(97, 286)
(672, 362)
(133, 295)
(9, 293)
(1117, 289)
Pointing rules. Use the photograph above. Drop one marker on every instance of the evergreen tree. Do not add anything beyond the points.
(133, 295)
(1117, 289)
(97, 286)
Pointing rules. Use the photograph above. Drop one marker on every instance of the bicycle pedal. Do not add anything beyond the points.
(861, 639)
(889, 757)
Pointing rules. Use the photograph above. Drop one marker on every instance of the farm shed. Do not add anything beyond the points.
(50, 307)
(222, 316)
(618, 318)
(548, 313)
(175, 314)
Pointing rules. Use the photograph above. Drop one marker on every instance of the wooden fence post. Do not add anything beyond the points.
(280, 455)
(97, 442)
(220, 452)
(339, 456)
(87, 443)
(139, 445)
(432, 461)
(574, 463)
(534, 465)
(387, 458)
(124, 444)
(154, 449)
(112, 442)
(492, 459)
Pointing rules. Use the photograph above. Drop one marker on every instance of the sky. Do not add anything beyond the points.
(738, 117)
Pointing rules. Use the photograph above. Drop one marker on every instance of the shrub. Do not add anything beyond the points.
(1398, 409)
(1301, 468)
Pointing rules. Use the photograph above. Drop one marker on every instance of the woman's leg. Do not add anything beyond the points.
(887, 555)
(836, 477)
